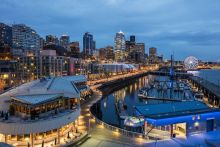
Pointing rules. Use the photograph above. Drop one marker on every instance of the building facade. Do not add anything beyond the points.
(64, 41)
(25, 37)
(89, 44)
(120, 46)
(51, 39)
(74, 49)
(53, 103)
(5, 35)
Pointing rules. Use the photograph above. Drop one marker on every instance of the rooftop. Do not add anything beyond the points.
(43, 90)
(36, 99)
(166, 110)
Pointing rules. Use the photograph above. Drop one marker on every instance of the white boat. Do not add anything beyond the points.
(198, 96)
(142, 93)
(133, 121)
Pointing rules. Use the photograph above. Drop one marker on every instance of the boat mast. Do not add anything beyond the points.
(171, 77)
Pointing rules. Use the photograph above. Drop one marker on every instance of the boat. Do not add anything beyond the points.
(142, 93)
(131, 121)
(198, 96)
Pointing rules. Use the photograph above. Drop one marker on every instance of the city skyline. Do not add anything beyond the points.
(154, 23)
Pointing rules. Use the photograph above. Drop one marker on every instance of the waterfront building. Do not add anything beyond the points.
(48, 63)
(179, 118)
(74, 49)
(89, 45)
(64, 41)
(25, 37)
(120, 46)
(43, 112)
(117, 68)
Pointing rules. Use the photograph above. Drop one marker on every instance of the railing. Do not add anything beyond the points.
(125, 132)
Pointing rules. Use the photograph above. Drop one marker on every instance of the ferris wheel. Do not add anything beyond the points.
(191, 62)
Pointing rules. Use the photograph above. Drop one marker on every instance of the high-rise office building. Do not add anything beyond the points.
(25, 37)
(120, 46)
(140, 47)
(132, 38)
(51, 39)
(153, 58)
(106, 53)
(152, 51)
(64, 41)
(74, 49)
(120, 41)
(88, 44)
(135, 51)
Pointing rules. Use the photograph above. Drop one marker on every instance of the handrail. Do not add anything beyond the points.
(124, 131)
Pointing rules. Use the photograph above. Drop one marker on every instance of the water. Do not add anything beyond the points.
(210, 75)
(129, 96)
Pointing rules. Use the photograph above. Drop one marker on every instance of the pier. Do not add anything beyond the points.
(210, 90)
(161, 99)
(183, 75)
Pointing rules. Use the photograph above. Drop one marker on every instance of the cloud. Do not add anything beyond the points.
(170, 25)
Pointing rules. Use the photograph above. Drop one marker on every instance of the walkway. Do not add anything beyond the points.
(102, 137)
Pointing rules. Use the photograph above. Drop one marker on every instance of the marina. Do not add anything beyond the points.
(156, 90)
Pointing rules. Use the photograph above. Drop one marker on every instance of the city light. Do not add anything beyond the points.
(88, 83)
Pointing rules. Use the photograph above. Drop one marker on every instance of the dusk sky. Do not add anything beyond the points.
(182, 27)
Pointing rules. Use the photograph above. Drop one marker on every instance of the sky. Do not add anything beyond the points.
(179, 27)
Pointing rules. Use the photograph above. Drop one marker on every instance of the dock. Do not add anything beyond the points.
(210, 90)
(157, 98)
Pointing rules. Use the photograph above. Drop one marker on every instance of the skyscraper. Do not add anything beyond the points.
(51, 39)
(25, 37)
(74, 49)
(132, 38)
(88, 44)
(120, 46)
(120, 41)
(153, 51)
(64, 41)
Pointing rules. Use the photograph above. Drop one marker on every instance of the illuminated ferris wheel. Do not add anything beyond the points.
(191, 62)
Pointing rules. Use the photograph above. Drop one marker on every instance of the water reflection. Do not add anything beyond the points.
(127, 97)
